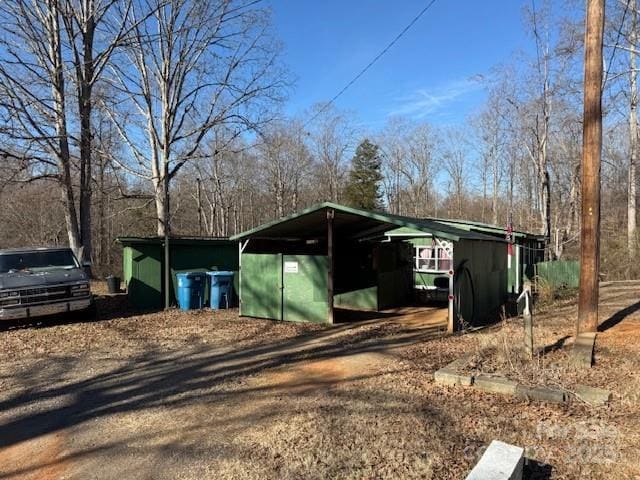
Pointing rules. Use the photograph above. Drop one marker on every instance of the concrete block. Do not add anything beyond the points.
(495, 384)
(592, 395)
(542, 394)
(500, 461)
(446, 376)
(583, 350)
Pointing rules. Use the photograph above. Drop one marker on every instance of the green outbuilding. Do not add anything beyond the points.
(524, 252)
(327, 259)
(143, 264)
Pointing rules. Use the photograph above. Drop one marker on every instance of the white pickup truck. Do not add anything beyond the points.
(42, 281)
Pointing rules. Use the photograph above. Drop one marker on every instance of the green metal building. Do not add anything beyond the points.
(143, 264)
(311, 265)
(527, 250)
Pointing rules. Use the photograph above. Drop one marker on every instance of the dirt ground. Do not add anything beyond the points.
(183, 395)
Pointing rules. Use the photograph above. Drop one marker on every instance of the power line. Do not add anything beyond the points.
(616, 45)
(370, 64)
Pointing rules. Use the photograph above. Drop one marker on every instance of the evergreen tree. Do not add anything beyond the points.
(363, 188)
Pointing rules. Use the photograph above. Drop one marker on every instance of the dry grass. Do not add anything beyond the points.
(209, 395)
(501, 351)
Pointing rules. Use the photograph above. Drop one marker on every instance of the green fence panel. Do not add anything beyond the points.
(559, 273)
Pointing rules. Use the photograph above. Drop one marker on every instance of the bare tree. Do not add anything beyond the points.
(33, 104)
(409, 166)
(632, 197)
(286, 162)
(332, 138)
(47, 47)
(420, 169)
(537, 146)
(190, 67)
(455, 164)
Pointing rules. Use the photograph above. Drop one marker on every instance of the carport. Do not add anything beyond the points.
(307, 266)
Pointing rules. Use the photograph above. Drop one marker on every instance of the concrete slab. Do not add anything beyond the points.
(592, 395)
(501, 461)
(542, 394)
(495, 384)
(446, 376)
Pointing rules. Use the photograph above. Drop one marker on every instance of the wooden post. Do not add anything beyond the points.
(591, 153)
(167, 233)
(330, 216)
(199, 196)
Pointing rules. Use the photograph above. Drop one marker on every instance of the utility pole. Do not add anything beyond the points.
(591, 154)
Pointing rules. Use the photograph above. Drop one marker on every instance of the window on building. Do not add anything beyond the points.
(433, 258)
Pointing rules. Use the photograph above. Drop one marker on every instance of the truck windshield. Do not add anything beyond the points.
(42, 260)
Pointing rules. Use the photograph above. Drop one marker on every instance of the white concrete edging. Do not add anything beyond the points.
(500, 461)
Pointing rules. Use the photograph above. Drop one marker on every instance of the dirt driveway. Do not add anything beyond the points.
(202, 395)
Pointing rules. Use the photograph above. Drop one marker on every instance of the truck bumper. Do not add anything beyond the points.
(14, 313)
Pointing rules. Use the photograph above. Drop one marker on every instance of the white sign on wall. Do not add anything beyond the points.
(290, 267)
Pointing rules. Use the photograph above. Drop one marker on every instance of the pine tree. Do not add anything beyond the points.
(363, 189)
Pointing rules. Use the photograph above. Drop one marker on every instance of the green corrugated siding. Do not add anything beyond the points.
(560, 273)
(305, 294)
(261, 285)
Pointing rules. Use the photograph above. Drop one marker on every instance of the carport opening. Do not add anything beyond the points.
(365, 274)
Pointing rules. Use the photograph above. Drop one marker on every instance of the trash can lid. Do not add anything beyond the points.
(220, 273)
(190, 274)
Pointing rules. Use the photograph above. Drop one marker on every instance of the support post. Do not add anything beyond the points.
(591, 155)
(167, 227)
(450, 301)
(241, 246)
(199, 197)
(330, 217)
(528, 319)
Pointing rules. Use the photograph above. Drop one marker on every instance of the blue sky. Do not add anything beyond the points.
(431, 74)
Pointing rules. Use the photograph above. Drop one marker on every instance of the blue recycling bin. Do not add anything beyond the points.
(221, 284)
(191, 289)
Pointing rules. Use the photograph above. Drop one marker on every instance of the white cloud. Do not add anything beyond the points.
(428, 101)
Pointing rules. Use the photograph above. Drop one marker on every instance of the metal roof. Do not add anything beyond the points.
(32, 249)
(486, 227)
(354, 223)
(172, 240)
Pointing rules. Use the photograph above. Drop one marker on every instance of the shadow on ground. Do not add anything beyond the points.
(108, 307)
(170, 380)
(618, 317)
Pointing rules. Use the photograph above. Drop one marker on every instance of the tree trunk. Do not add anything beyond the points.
(494, 199)
(633, 138)
(64, 157)
(85, 91)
